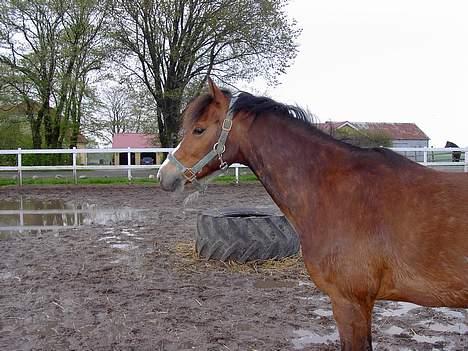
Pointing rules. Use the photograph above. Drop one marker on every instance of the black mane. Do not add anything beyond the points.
(245, 102)
(258, 105)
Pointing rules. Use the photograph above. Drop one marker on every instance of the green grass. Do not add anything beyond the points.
(7, 181)
(442, 157)
(225, 179)
(232, 179)
(86, 181)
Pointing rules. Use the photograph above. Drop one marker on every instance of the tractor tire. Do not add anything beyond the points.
(244, 234)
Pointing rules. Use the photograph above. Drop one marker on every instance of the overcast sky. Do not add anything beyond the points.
(391, 61)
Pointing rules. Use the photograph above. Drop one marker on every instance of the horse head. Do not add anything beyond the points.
(208, 143)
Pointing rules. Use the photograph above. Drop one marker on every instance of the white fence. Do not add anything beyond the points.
(436, 157)
(430, 157)
(74, 167)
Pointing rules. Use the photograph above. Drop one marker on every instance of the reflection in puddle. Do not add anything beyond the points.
(304, 338)
(36, 215)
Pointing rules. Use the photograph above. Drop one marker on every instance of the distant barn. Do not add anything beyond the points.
(400, 134)
(135, 140)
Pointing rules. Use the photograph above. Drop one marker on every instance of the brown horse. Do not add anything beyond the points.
(373, 225)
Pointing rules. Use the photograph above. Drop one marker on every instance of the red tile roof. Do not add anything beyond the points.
(121, 140)
(396, 131)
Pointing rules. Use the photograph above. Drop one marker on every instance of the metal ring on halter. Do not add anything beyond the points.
(215, 148)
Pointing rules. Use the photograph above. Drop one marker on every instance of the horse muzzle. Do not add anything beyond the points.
(170, 179)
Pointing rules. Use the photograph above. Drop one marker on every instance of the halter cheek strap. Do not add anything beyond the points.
(190, 173)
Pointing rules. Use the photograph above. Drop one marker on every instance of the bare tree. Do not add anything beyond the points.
(123, 109)
(171, 45)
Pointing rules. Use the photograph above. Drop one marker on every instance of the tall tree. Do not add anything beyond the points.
(171, 45)
(50, 47)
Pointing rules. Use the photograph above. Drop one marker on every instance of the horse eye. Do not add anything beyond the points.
(198, 131)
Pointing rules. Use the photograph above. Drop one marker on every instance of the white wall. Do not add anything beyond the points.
(413, 155)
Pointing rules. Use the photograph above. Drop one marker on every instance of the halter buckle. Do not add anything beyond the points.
(227, 125)
(189, 174)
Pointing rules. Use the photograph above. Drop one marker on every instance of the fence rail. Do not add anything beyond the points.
(74, 167)
(428, 159)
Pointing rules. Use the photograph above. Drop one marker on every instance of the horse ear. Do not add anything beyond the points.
(215, 92)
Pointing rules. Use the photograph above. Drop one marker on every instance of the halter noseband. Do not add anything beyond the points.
(190, 173)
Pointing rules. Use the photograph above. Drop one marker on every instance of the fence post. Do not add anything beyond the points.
(129, 163)
(425, 157)
(237, 175)
(75, 178)
(20, 172)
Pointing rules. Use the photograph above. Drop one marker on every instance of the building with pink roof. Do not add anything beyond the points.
(135, 140)
(124, 140)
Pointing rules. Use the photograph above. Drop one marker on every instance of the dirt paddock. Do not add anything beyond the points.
(132, 283)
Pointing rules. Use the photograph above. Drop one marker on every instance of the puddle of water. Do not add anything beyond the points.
(107, 238)
(122, 246)
(461, 328)
(273, 284)
(303, 338)
(6, 275)
(301, 283)
(30, 215)
(451, 313)
(323, 313)
(397, 309)
(428, 339)
(435, 327)
(394, 330)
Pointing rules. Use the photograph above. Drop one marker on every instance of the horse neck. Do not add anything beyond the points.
(290, 159)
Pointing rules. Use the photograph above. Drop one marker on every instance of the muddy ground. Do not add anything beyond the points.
(131, 282)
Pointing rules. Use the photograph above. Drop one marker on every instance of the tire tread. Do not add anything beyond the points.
(221, 235)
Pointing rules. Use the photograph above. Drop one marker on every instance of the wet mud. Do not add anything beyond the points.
(112, 268)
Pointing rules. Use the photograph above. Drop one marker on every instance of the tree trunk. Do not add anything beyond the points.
(170, 109)
(76, 116)
(36, 133)
(35, 124)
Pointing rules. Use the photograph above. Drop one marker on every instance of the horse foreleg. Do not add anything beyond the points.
(354, 323)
